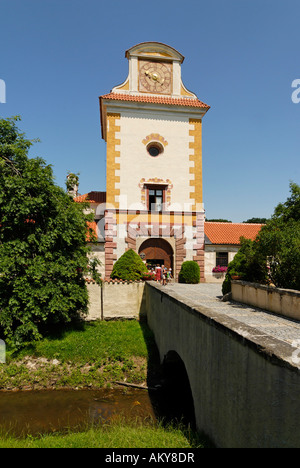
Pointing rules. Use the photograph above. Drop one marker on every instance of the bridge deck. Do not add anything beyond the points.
(264, 322)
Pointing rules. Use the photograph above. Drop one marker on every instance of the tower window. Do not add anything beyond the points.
(156, 198)
(155, 148)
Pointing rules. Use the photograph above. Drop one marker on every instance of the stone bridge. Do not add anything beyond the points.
(242, 364)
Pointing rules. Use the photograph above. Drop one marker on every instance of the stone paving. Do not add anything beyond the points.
(266, 323)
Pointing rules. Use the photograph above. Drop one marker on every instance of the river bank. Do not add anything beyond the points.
(94, 355)
(38, 373)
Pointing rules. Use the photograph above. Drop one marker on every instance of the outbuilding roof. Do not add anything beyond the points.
(91, 197)
(230, 233)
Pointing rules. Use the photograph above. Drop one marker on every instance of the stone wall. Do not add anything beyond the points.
(281, 301)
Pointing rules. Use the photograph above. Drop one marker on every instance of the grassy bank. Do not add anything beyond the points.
(116, 435)
(91, 355)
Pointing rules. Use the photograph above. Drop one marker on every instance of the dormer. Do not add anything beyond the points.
(154, 69)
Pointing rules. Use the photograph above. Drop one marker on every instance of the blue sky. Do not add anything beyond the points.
(241, 57)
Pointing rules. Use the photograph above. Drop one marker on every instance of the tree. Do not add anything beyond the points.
(43, 249)
(256, 220)
(218, 221)
(276, 246)
(129, 267)
(290, 210)
(279, 241)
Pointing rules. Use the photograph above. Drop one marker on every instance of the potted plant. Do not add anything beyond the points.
(148, 276)
(219, 271)
(235, 274)
(236, 277)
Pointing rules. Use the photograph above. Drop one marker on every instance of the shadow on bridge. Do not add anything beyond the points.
(168, 383)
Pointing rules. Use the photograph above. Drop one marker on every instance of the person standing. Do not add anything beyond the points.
(158, 273)
(164, 275)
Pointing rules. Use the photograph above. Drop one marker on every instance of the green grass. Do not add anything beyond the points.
(90, 342)
(116, 435)
(90, 355)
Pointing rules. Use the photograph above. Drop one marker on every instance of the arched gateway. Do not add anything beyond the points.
(157, 251)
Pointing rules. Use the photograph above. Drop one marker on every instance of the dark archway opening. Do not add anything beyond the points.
(175, 398)
(157, 251)
(170, 392)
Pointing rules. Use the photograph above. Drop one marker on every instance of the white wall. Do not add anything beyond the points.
(210, 260)
(136, 163)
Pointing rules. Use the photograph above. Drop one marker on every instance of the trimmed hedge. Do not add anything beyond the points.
(189, 273)
(129, 267)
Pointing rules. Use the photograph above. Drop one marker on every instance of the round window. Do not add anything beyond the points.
(155, 148)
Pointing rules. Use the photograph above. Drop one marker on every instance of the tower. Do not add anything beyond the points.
(152, 126)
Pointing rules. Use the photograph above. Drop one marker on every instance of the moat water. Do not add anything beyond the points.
(37, 412)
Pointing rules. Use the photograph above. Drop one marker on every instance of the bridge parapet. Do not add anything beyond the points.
(285, 302)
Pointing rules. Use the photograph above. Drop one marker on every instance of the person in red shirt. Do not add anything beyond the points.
(158, 272)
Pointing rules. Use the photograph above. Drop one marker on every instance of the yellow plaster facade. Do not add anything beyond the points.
(196, 158)
(112, 164)
(155, 218)
(185, 92)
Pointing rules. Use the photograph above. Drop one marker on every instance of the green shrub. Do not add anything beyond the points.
(226, 285)
(248, 263)
(129, 267)
(189, 273)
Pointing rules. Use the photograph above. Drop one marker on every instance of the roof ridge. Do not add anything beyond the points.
(230, 233)
(232, 224)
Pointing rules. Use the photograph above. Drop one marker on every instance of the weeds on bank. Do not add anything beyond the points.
(91, 355)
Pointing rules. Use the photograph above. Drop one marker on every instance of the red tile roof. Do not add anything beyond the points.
(81, 198)
(93, 226)
(188, 102)
(92, 197)
(230, 233)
